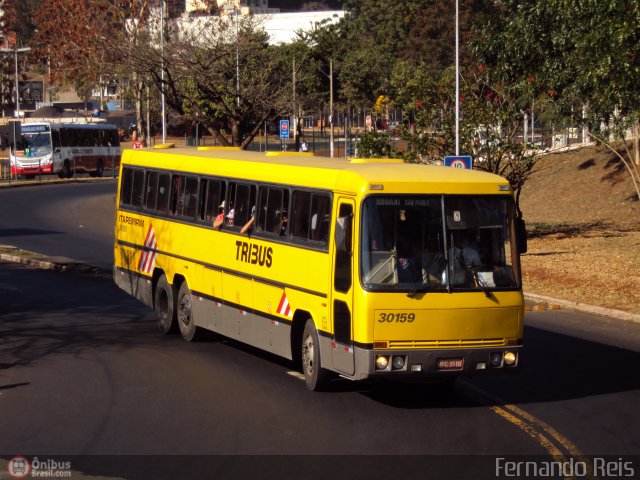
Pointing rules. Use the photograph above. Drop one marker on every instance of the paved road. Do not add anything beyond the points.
(72, 220)
(83, 372)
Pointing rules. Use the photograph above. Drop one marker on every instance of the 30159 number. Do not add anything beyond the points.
(389, 317)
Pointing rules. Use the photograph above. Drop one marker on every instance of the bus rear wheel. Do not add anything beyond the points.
(315, 376)
(164, 306)
(186, 321)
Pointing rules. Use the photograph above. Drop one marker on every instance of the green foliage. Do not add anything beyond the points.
(375, 144)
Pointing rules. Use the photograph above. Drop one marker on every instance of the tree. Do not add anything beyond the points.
(585, 52)
(197, 71)
(490, 118)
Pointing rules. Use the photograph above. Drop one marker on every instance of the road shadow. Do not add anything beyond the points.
(99, 316)
(46, 321)
(20, 232)
(554, 367)
(558, 367)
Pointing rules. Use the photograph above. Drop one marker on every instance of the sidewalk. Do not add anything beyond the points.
(533, 302)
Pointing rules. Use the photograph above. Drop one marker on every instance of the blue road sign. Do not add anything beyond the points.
(284, 128)
(459, 161)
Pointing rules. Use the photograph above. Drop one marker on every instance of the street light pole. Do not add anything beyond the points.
(331, 150)
(164, 123)
(236, 11)
(457, 83)
(15, 51)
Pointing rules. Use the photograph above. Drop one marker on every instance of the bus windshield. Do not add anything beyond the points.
(422, 243)
(33, 144)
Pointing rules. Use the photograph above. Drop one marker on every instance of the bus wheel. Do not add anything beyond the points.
(164, 306)
(315, 376)
(99, 168)
(186, 321)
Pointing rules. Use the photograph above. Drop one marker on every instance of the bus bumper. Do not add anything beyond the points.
(434, 363)
(31, 170)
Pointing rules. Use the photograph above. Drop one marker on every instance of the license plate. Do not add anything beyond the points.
(450, 363)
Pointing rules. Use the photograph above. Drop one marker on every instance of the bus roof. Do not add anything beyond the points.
(71, 123)
(358, 176)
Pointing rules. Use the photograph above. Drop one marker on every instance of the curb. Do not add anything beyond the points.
(62, 265)
(556, 303)
(544, 302)
(5, 183)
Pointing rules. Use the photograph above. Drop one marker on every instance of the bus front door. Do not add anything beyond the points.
(342, 290)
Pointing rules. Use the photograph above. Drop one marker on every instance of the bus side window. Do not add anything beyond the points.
(242, 203)
(137, 190)
(311, 217)
(184, 196)
(273, 203)
(321, 218)
(164, 182)
(211, 196)
(300, 215)
(152, 190)
(190, 197)
(125, 189)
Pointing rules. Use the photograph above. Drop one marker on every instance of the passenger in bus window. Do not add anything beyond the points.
(249, 225)
(230, 216)
(219, 220)
(284, 219)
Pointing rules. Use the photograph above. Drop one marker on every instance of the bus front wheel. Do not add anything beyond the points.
(188, 329)
(164, 306)
(315, 376)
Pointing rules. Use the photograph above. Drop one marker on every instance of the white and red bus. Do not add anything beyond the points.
(65, 148)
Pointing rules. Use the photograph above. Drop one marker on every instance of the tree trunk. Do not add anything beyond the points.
(636, 143)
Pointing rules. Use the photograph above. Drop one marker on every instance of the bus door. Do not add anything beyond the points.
(55, 148)
(342, 289)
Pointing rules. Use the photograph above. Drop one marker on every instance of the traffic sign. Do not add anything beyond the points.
(284, 128)
(459, 161)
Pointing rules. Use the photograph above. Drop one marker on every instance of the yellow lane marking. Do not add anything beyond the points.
(531, 430)
(543, 433)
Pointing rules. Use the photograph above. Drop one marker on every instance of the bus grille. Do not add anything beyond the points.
(486, 342)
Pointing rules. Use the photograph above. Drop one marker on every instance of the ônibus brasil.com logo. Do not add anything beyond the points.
(21, 467)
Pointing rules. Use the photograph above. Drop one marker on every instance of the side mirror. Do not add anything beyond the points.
(521, 235)
(343, 234)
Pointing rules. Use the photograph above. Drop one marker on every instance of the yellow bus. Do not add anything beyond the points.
(364, 268)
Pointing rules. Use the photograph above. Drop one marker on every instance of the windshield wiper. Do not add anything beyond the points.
(486, 289)
(419, 284)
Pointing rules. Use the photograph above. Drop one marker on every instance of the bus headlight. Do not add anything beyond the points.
(398, 362)
(382, 362)
(495, 359)
(46, 160)
(510, 359)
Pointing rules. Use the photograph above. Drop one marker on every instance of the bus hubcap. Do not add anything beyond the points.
(184, 312)
(307, 355)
